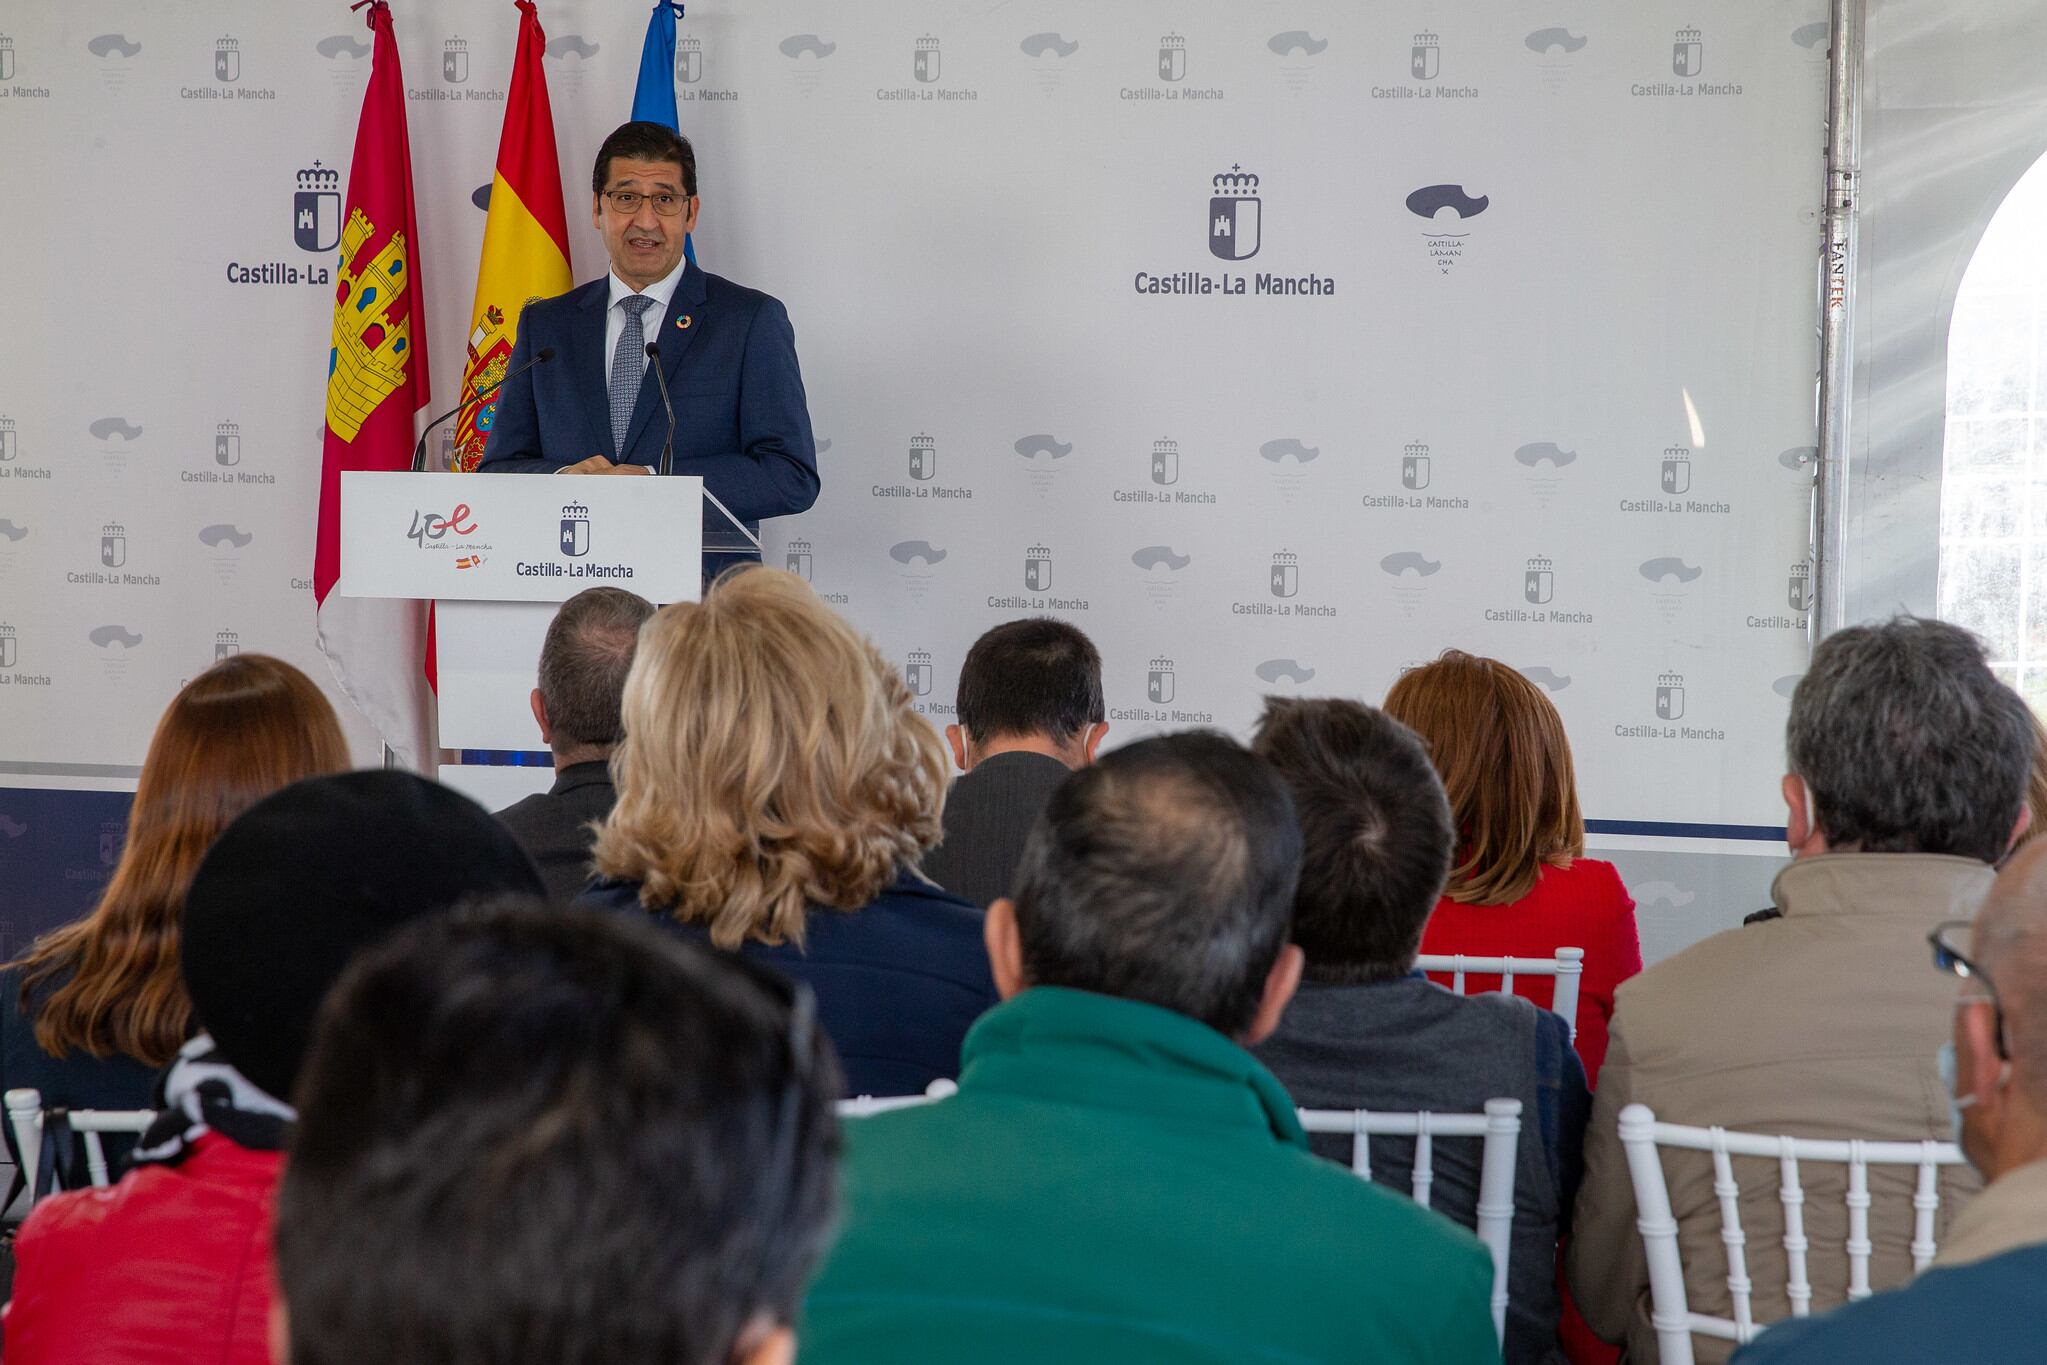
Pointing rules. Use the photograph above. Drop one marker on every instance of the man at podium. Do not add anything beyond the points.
(726, 352)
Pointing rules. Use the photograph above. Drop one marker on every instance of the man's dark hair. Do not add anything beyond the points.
(645, 142)
(1038, 676)
(1376, 836)
(1164, 873)
(583, 664)
(1909, 743)
(528, 1134)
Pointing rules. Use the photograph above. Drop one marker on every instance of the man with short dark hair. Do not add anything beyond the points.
(1368, 1031)
(727, 352)
(1908, 770)
(1117, 1179)
(1979, 1302)
(1030, 712)
(528, 1135)
(584, 660)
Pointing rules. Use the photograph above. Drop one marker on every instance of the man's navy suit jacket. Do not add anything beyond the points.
(740, 419)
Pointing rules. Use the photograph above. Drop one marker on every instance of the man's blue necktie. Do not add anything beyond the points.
(628, 369)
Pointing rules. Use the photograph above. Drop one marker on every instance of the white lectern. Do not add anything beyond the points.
(497, 554)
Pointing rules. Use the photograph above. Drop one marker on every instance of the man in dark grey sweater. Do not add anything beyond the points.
(1367, 1031)
(583, 665)
(1030, 711)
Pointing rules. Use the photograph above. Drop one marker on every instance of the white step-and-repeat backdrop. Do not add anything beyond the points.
(1279, 347)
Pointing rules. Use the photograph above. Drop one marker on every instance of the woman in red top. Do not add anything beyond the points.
(1520, 887)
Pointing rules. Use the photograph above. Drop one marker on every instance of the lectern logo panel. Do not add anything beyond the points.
(575, 528)
(432, 527)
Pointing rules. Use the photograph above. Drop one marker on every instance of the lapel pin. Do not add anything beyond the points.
(682, 323)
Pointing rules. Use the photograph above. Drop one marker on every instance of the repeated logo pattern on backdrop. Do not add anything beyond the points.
(1412, 386)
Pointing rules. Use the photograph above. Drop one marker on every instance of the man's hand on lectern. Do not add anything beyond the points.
(597, 464)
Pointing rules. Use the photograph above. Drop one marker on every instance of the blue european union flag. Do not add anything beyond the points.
(654, 95)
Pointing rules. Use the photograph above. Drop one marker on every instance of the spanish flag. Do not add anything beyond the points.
(525, 238)
(376, 384)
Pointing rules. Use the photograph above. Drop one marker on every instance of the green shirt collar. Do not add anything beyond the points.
(1052, 1043)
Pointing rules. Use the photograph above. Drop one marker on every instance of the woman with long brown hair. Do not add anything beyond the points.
(98, 1006)
(1520, 885)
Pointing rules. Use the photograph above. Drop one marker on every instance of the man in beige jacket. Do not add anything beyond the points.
(1908, 774)
(1980, 1301)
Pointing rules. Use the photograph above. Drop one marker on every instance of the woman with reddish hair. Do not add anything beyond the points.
(98, 1006)
(1520, 885)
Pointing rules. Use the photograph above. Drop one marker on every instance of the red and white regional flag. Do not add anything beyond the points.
(376, 384)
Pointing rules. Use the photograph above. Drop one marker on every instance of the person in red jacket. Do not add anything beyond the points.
(172, 1263)
(1521, 886)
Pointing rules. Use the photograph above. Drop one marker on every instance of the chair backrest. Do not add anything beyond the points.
(1670, 1312)
(27, 1117)
(861, 1106)
(1500, 1128)
(1567, 965)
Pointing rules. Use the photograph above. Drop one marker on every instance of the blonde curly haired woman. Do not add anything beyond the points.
(775, 793)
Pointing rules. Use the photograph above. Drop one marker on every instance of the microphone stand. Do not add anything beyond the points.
(668, 444)
(545, 354)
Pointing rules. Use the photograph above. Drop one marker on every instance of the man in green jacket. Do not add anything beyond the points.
(1117, 1178)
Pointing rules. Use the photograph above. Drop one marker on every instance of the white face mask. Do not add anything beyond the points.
(1944, 1060)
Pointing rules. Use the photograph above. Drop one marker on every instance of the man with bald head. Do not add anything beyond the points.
(1980, 1300)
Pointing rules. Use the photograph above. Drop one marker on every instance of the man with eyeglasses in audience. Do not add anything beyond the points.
(1908, 766)
(530, 1136)
(1980, 1300)
(727, 352)
(1117, 1178)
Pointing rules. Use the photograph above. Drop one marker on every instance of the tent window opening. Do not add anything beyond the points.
(1993, 497)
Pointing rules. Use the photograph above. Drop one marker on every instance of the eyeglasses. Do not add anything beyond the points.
(628, 202)
(1948, 958)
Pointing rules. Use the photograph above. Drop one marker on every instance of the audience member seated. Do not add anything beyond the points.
(2036, 785)
(583, 664)
(1117, 1178)
(528, 1135)
(1367, 1031)
(1908, 774)
(95, 1009)
(775, 791)
(1980, 1300)
(1030, 711)
(1521, 885)
(171, 1265)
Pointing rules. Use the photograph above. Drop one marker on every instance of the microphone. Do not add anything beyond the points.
(661, 380)
(540, 357)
